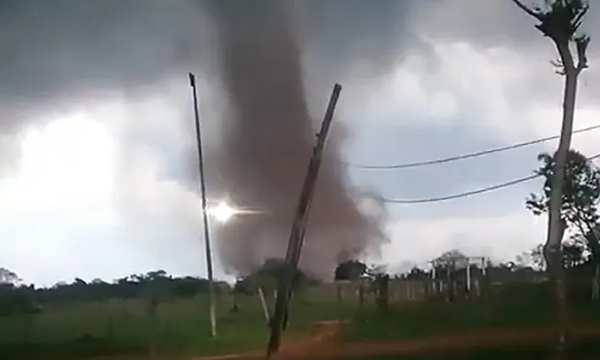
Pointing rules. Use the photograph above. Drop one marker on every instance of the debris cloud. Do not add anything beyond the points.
(266, 152)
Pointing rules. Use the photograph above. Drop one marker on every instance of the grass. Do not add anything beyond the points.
(123, 327)
(84, 330)
(519, 307)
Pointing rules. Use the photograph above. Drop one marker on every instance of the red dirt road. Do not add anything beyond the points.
(328, 344)
(326, 335)
(451, 343)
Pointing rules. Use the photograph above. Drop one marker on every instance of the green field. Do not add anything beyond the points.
(520, 306)
(123, 327)
(182, 327)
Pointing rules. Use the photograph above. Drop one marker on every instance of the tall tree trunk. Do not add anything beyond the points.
(560, 23)
(556, 226)
(552, 248)
(557, 273)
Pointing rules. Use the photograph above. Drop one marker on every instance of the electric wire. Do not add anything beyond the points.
(471, 192)
(470, 155)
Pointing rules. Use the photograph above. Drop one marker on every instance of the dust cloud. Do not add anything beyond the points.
(264, 157)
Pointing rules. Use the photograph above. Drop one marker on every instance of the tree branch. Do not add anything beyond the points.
(527, 10)
(594, 246)
(578, 18)
(566, 58)
(560, 69)
(581, 43)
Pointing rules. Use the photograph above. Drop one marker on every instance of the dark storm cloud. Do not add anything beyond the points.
(62, 51)
(67, 48)
(60, 55)
(350, 33)
(56, 49)
(53, 54)
(490, 23)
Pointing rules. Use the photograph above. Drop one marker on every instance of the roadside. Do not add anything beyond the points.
(327, 343)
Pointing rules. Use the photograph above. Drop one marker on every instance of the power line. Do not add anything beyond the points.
(469, 193)
(464, 194)
(470, 155)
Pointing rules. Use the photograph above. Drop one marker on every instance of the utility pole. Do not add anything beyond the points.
(209, 265)
(296, 239)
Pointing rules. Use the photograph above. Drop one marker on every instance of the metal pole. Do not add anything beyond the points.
(296, 239)
(484, 266)
(263, 303)
(209, 265)
(469, 275)
(433, 278)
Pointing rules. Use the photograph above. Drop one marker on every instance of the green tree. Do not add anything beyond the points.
(533, 258)
(560, 21)
(416, 274)
(591, 240)
(350, 270)
(580, 193)
(15, 299)
(446, 267)
(267, 276)
(573, 253)
(579, 205)
(451, 257)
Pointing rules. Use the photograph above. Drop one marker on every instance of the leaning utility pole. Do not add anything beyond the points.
(296, 239)
(209, 266)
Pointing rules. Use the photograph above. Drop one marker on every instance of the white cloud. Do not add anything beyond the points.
(499, 237)
(547, 121)
(68, 163)
(485, 89)
(468, 85)
(89, 197)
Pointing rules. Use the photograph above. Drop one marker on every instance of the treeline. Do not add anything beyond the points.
(15, 298)
(528, 267)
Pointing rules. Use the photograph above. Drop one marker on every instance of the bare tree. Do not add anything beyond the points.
(560, 21)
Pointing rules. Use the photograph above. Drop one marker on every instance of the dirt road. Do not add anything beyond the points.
(327, 344)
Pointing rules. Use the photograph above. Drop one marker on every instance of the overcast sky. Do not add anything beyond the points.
(97, 162)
